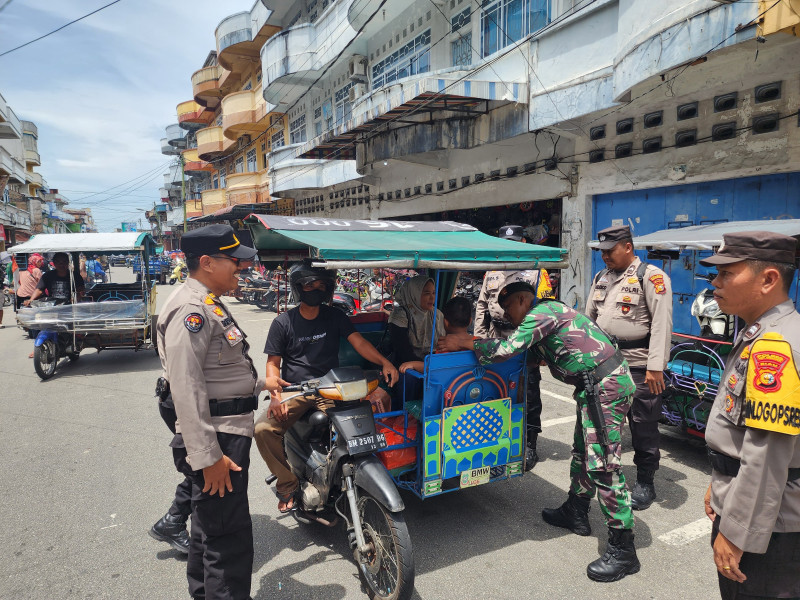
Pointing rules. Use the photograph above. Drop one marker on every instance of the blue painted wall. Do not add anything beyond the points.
(743, 199)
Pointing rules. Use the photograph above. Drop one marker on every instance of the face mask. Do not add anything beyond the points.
(313, 297)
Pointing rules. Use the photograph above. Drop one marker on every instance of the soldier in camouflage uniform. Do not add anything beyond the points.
(574, 347)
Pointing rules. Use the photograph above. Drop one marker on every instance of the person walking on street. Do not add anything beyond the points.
(753, 432)
(490, 322)
(578, 352)
(214, 388)
(632, 301)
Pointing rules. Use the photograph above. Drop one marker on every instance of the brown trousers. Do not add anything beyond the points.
(269, 434)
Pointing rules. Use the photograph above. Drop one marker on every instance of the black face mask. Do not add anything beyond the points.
(313, 297)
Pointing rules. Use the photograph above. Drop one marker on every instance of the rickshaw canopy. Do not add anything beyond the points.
(707, 237)
(346, 243)
(89, 242)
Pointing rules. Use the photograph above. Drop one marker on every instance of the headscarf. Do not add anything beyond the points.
(35, 261)
(418, 322)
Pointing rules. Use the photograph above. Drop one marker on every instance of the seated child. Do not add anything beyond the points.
(457, 318)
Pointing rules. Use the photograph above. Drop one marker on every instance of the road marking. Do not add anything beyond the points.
(566, 399)
(559, 421)
(687, 533)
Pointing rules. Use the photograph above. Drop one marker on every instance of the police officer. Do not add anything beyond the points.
(214, 388)
(632, 301)
(490, 322)
(579, 353)
(753, 431)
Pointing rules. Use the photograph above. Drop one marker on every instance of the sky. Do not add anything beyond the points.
(102, 91)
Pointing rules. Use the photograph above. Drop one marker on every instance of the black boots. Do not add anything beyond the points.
(644, 492)
(572, 515)
(531, 457)
(172, 530)
(619, 559)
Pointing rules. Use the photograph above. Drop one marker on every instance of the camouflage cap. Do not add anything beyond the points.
(754, 245)
(611, 236)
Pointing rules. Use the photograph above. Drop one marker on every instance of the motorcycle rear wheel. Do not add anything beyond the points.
(388, 569)
(45, 359)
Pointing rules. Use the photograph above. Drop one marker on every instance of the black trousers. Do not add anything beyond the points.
(534, 401)
(774, 574)
(220, 562)
(182, 504)
(643, 418)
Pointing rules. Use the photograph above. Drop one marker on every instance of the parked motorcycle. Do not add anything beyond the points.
(714, 324)
(179, 274)
(345, 302)
(333, 457)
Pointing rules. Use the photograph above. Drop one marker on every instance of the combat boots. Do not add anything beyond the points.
(619, 559)
(644, 492)
(572, 515)
(172, 529)
(531, 457)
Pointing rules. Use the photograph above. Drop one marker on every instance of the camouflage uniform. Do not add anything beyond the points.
(570, 343)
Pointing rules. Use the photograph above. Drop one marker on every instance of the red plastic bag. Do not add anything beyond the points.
(402, 457)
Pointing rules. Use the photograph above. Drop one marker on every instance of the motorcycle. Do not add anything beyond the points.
(8, 296)
(714, 324)
(332, 455)
(179, 274)
(345, 302)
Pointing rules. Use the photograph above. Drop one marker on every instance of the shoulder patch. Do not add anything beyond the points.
(658, 283)
(772, 400)
(218, 311)
(194, 322)
(208, 299)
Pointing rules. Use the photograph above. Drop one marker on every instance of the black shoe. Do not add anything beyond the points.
(172, 530)
(642, 495)
(619, 559)
(531, 458)
(572, 515)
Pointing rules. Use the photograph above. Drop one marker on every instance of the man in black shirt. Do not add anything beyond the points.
(56, 283)
(303, 343)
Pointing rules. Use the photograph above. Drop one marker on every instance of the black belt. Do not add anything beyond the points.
(729, 466)
(608, 366)
(631, 344)
(232, 406)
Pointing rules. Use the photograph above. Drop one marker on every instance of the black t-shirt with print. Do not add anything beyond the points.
(308, 348)
(58, 288)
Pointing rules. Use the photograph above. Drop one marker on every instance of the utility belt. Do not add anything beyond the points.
(217, 407)
(729, 466)
(631, 344)
(608, 366)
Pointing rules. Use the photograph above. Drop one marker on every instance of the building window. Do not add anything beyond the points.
(344, 108)
(504, 22)
(215, 181)
(462, 51)
(238, 166)
(251, 161)
(219, 120)
(327, 115)
(461, 19)
(222, 173)
(277, 140)
(249, 86)
(411, 59)
(297, 130)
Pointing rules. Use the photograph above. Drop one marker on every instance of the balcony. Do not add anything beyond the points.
(6, 164)
(176, 136)
(212, 200)
(34, 180)
(192, 116)
(211, 144)
(293, 59)
(30, 128)
(173, 177)
(205, 86)
(248, 188)
(168, 149)
(241, 36)
(32, 158)
(193, 164)
(244, 113)
(289, 174)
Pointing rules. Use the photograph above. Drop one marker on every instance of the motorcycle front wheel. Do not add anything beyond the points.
(45, 359)
(387, 569)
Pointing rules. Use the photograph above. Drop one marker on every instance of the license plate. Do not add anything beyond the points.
(367, 443)
(475, 477)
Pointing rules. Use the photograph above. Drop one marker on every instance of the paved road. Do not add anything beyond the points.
(86, 471)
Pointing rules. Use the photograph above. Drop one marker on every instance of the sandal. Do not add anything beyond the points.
(290, 499)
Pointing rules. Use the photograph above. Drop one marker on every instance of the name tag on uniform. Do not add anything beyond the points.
(234, 335)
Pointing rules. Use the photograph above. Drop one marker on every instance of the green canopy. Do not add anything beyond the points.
(341, 243)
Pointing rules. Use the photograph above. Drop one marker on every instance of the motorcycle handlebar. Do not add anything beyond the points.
(293, 388)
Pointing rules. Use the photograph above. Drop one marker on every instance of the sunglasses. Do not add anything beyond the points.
(237, 261)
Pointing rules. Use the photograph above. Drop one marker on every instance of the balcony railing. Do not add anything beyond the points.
(244, 112)
(213, 200)
(205, 85)
(34, 179)
(32, 158)
(176, 136)
(30, 127)
(242, 35)
(211, 143)
(193, 116)
(192, 162)
(10, 126)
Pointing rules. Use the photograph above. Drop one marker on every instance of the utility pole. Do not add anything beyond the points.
(183, 191)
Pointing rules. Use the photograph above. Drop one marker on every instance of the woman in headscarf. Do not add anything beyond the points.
(29, 278)
(411, 323)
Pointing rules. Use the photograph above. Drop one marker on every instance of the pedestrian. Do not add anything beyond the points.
(214, 388)
(754, 425)
(303, 343)
(29, 279)
(490, 322)
(579, 353)
(632, 300)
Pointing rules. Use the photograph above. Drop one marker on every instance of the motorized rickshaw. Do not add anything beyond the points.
(702, 335)
(109, 315)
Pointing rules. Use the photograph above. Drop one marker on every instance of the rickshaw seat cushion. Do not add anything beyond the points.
(695, 371)
(370, 321)
(348, 357)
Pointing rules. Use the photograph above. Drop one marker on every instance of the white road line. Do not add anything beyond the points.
(566, 399)
(687, 533)
(559, 421)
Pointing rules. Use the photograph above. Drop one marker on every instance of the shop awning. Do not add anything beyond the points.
(235, 212)
(89, 242)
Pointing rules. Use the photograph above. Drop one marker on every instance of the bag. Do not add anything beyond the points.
(385, 345)
(402, 457)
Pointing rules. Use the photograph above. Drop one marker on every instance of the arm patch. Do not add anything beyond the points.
(194, 322)
(658, 284)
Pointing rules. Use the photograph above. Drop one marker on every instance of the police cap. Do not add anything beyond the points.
(215, 239)
(611, 236)
(753, 245)
(511, 232)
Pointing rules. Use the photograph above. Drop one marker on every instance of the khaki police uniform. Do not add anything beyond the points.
(640, 317)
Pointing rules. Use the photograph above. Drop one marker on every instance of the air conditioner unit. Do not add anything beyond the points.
(243, 141)
(356, 91)
(357, 68)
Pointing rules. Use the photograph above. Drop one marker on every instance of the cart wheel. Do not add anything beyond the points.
(153, 332)
(45, 359)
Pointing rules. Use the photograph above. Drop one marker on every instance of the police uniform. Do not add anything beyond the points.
(639, 314)
(490, 322)
(573, 347)
(753, 435)
(214, 388)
